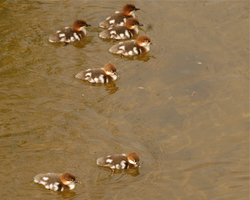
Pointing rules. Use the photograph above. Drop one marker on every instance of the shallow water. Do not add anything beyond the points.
(184, 106)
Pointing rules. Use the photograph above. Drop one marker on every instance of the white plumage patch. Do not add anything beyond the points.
(55, 188)
(101, 36)
(45, 178)
(135, 50)
(132, 162)
(96, 80)
(109, 73)
(101, 78)
(114, 77)
(111, 21)
(127, 33)
(89, 74)
(76, 36)
(130, 53)
(67, 182)
(122, 47)
(118, 52)
(123, 164)
(117, 166)
(147, 47)
(133, 27)
(122, 36)
(42, 182)
(108, 18)
(85, 32)
(121, 24)
(71, 185)
(72, 38)
(56, 183)
(62, 35)
(112, 32)
(136, 30)
(109, 160)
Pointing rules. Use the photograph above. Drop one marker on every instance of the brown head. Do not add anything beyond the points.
(143, 40)
(110, 69)
(68, 178)
(133, 158)
(128, 9)
(131, 23)
(79, 24)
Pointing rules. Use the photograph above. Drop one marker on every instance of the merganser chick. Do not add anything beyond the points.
(57, 182)
(68, 35)
(119, 161)
(119, 18)
(132, 47)
(122, 32)
(103, 75)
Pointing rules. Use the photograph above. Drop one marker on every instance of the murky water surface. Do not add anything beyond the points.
(184, 106)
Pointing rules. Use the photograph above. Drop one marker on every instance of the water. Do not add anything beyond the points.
(184, 106)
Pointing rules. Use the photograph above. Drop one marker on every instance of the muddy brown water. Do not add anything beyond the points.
(184, 106)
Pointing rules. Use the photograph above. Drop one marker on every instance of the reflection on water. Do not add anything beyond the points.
(84, 42)
(108, 175)
(142, 57)
(183, 106)
(111, 88)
